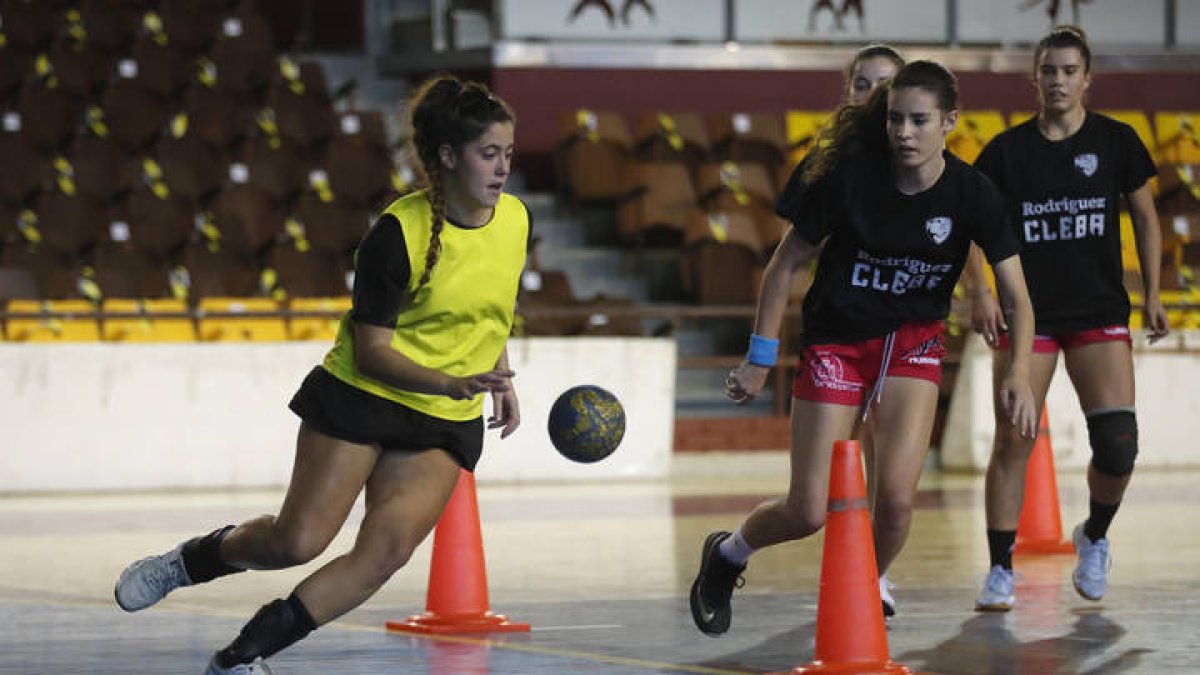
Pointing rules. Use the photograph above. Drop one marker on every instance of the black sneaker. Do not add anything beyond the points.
(714, 587)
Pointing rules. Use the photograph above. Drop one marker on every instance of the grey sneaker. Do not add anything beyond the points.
(713, 588)
(148, 580)
(257, 667)
(885, 596)
(1091, 572)
(997, 593)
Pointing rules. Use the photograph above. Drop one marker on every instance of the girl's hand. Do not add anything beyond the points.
(459, 388)
(745, 382)
(1016, 397)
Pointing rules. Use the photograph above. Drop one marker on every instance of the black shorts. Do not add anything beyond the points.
(348, 413)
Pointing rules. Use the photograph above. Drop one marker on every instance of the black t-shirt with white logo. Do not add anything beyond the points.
(1063, 199)
(890, 258)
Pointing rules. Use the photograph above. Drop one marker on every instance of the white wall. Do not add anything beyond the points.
(102, 416)
(1168, 409)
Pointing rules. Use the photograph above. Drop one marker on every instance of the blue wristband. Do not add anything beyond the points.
(763, 351)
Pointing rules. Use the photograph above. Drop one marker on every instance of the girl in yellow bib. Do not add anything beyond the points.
(396, 407)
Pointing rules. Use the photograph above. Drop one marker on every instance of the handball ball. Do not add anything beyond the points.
(586, 424)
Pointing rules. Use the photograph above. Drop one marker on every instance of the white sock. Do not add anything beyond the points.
(735, 549)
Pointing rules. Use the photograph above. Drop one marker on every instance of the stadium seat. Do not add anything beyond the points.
(24, 168)
(55, 275)
(974, 130)
(189, 26)
(76, 64)
(323, 327)
(103, 169)
(17, 283)
(359, 163)
(592, 156)
(244, 52)
(191, 168)
(52, 321)
(722, 251)
(122, 271)
(661, 202)
(750, 137)
(735, 184)
(546, 289)
(602, 320)
(15, 63)
(203, 273)
(112, 25)
(246, 217)
(1177, 139)
(1141, 124)
(50, 114)
(157, 68)
(292, 273)
(133, 114)
(216, 115)
(1018, 116)
(29, 25)
(154, 320)
(69, 224)
(803, 127)
(331, 227)
(672, 136)
(229, 327)
(159, 225)
(299, 103)
(278, 168)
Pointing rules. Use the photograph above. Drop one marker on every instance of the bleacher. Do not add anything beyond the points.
(169, 160)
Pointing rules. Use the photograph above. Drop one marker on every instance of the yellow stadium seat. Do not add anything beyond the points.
(1017, 116)
(53, 321)
(802, 128)
(317, 327)
(974, 130)
(265, 323)
(1140, 123)
(155, 321)
(1177, 139)
(1129, 258)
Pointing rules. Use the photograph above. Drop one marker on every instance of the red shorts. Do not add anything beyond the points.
(1050, 344)
(843, 373)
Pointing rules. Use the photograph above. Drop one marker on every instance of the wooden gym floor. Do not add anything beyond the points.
(601, 572)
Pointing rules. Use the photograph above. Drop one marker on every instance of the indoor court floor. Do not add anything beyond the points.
(601, 571)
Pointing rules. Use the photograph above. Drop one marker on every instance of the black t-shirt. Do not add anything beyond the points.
(1063, 199)
(890, 258)
(382, 272)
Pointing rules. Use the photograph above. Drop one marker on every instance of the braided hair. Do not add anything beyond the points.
(445, 110)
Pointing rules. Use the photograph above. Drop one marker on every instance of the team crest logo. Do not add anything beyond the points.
(938, 229)
(1087, 163)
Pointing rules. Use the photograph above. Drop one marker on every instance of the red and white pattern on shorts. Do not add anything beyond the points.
(840, 373)
(1050, 344)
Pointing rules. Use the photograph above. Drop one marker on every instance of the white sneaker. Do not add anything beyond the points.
(997, 593)
(885, 596)
(1091, 572)
(148, 580)
(257, 667)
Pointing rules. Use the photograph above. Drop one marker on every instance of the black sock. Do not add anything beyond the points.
(1000, 547)
(202, 557)
(1100, 516)
(278, 624)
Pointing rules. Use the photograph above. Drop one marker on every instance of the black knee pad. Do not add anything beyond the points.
(1114, 439)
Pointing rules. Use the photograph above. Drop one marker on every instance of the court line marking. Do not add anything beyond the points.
(454, 639)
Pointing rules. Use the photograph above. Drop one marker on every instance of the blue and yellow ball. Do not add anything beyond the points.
(586, 423)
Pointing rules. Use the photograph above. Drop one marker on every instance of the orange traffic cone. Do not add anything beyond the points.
(851, 636)
(457, 599)
(1040, 528)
